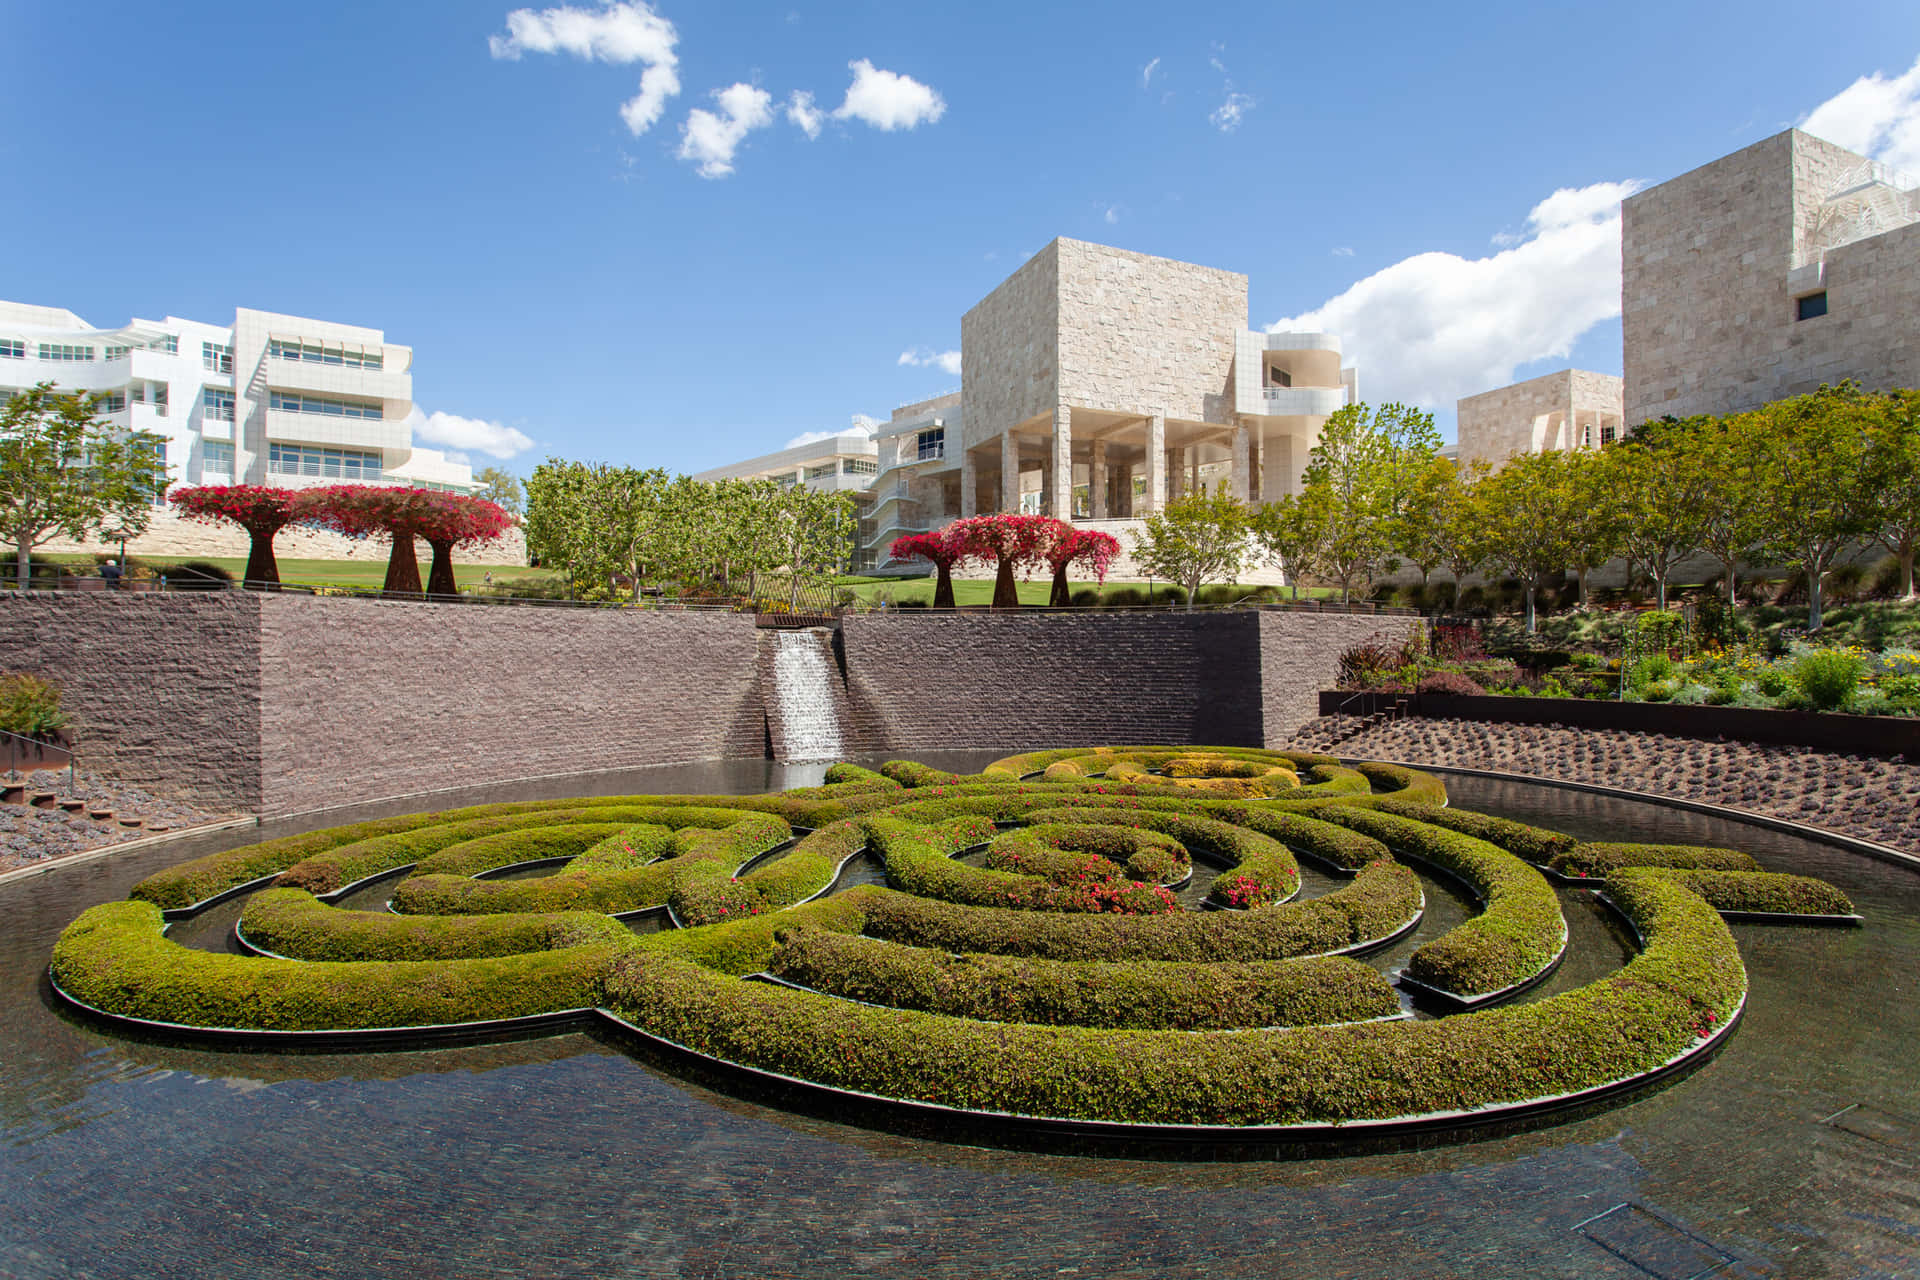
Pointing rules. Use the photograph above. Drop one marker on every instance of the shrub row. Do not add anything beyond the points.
(1758, 891)
(1061, 851)
(292, 922)
(1612, 1030)
(1143, 995)
(919, 861)
(1403, 783)
(1258, 860)
(1603, 858)
(1519, 930)
(793, 877)
(911, 773)
(1383, 898)
(504, 849)
(115, 958)
(1530, 844)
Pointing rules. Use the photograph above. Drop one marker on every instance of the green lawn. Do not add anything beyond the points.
(969, 591)
(319, 573)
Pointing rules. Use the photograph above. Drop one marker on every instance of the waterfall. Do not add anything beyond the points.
(804, 675)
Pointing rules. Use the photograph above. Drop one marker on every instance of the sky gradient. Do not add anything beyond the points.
(815, 194)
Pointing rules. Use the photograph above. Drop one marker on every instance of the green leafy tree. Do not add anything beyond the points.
(1195, 540)
(1657, 492)
(502, 488)
(1419, 532)
(1894, 487)
(1733, 519)
(1368, 462)
(814, 534)
(1527, 508)
(1815, 477)
(1293, 532)
(556, 516)
(1459, 531)
(64, 471)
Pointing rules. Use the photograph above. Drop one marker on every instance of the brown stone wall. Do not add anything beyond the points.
(364, 698)
(1299, 656)
(164, 690)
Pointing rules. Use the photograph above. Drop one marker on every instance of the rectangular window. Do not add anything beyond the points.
(288, 402)
(64, 351)
(930, 444)
(216, 458)
(323, 353)
(110, 402)
(1608, 433)
(13, 348)
(119, 353)
(219, 404)
(216, 358)
(858, 466)
(1279, 378)
(169, 344)
(1811, 307)
(787, 481)
(331, 464)
(814, 473)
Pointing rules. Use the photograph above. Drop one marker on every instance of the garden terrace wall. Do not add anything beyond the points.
(1824, 731)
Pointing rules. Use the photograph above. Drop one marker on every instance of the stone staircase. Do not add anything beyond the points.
(38, 798)
(1327, 733)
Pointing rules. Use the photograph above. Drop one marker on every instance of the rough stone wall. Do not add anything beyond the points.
(1533, 415)
(364, 699)
(1009, 368)
(1141, 334)
(169, 535)
(1019, 682)
(163, 690)
(1299, 656)
(1708, 320)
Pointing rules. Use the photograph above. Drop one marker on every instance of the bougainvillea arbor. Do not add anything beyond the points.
(1010, 543)
(261, 510)
(1088, 547)
(940, 548)
(443, 520)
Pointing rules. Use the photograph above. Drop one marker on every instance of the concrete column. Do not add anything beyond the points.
(1156, 495)
(1060, 483)
(1009, 472)
(1097, 482)
(1178, 476)
(1193, 470)
(1241, 474)
(969, 485)
(1046, 485)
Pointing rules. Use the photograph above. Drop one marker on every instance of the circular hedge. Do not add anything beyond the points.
(1099, 936)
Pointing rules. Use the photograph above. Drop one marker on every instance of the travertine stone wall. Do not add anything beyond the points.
(164, 690)
(1540, 413)
(1708, 314)
(1300, 655)
(1010, 350)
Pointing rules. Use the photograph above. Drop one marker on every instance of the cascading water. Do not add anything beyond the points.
(803, 678)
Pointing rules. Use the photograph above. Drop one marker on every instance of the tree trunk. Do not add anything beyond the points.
(1814, 575)
(1660, 589)
(1532, 622)
(1060, 597)
(1733, 583)
(1906, 572)
(1580, 576)
(1193, 593)
(1005, 594)
(22, 564)
(440, 577)
(262, 568)
(403, 568)
(943, 586)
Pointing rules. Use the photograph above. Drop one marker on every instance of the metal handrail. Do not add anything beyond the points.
(13, 754)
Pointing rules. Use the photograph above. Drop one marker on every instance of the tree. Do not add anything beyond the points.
(456, 520)
(1894, 463)
(1527, 509)
(1734, 516)
(556, 497)
(65, 471)
(1094, 549)
(363, 510)
(1368, 462)
(260, 510)
(1815, 474)
(1195, 539)
(1661, 492)
(942, 549)
(815, 536)
(1418, 528)
(1293, 531)
(1011, 542)
(500, 487)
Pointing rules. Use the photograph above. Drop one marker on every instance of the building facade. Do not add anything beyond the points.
(1766, 273)
(269, 399)
(1571, 409)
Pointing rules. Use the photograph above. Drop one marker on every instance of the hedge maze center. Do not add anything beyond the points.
(1210, 981)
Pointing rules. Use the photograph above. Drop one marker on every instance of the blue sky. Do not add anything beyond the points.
(470, 180)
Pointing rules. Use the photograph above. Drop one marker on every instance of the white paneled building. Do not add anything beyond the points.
(268, 399)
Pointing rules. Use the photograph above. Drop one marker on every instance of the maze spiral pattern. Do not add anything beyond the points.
(1095, 937)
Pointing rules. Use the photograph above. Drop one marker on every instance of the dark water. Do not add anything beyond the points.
(563, 1157)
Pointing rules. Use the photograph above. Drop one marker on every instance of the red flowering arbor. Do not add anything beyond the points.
(1093, 549)
(443, 520)
(259, 509)
(1010, 542)
(943, 550)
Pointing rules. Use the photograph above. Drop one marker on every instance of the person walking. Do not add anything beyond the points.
(110, 571)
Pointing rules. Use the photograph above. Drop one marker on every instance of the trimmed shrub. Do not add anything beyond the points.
(1828, 677)
(1451, 682)
(1601, 858)
(1756, 891)
(1531, 844)
(909, 773)
(1186, 997)
(292, 922)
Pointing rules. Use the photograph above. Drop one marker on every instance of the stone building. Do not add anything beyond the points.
(1791, 263)
(1571, 409)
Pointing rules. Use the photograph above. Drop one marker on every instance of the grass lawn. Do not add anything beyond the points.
(319, 573)
(968, 591)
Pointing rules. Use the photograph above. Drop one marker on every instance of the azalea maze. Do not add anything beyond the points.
(1100, 940)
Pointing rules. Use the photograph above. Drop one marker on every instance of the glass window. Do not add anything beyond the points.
(930, 444)
(216, 358)
(332, 464)
(787, 481)
(13, 348)
(858, 466)
(1811, 307)
(64, 351)
(219, 404)
(110, 402)
(321, 353)
(118, 353)
(216, 457)
(814, 473)
(289, 402)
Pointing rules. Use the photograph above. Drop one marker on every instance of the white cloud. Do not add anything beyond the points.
(1343, 252)
(1146, 73)
(887, 100)
(802, 112)
(710, 139)
(617, 33)
(928, 358)
(1876, 115)
(1227, 116)
(461, 436)
(862, 426)
(1434, 327)
(1113, 214)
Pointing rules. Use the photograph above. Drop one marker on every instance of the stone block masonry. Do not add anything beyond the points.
(278, 704)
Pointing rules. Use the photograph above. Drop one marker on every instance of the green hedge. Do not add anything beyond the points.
(115, 958)
(1530, 844)
(291, 922)
(1403, 783)
(1757, 891)
(488, 853)
(794, 876)
(1382, 898)
(1602, 858)
(919, 861)
(1519, 930)
(1062, 852)
(1142, 995)
(1263, 865)
(1688, 980)
(909, 773)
